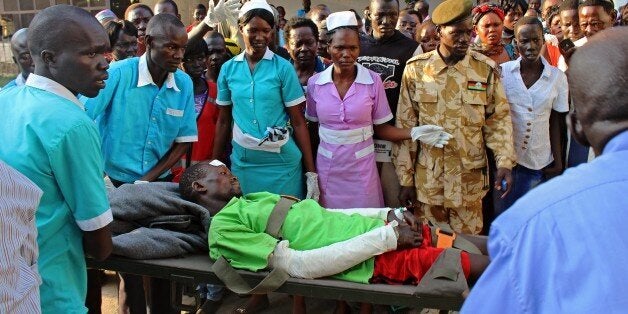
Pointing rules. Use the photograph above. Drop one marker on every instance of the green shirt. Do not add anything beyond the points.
(237, 232)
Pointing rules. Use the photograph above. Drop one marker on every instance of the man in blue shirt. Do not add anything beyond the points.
(47, 136)
(147, 122)
(21, 57)
(562, 247)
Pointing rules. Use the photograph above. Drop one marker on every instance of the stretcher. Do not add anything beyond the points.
(196, 269)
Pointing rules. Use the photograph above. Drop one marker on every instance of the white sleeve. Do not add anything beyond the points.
(335, 258)
(379, 213)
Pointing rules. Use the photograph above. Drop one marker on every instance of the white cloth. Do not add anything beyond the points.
(562, 65)
(530, 111)
(339, 19)
(254, 143)
(19, 278)
(19, 80)
(311, 182)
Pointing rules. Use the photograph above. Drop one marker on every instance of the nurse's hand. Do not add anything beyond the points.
(311, 181)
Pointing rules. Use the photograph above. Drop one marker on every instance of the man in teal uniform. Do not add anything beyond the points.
(47, 136)
(21, 57)
(147, 122)
(237, 233)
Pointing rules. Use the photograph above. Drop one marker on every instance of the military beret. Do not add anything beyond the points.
(452, 11)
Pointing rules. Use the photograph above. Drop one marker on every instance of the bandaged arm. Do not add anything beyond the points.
(334, 258)
(379, 213)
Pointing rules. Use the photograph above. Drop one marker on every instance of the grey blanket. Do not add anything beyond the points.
(153, 221)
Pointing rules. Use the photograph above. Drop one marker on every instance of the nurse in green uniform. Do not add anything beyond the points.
(258, 95)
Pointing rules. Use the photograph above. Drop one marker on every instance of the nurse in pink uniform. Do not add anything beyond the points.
(349, 103)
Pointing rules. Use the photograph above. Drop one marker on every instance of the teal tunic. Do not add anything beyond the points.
(46, 135)
(237, 232)
(259, 100)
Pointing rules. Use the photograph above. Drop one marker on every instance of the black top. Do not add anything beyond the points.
(388, 57)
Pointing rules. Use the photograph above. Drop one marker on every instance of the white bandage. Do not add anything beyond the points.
(311, 183)
(216, 163)
(334, 258)
(379, 213)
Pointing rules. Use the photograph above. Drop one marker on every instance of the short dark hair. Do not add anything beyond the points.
(114, 28)
(45, 31)
(297, 22)
(413, 12)
(196, 46)
(135, 6)
(191, 174)
(528, 20)
(370, 1)
(568, 5)
(201, 6)
(160, 21)
(171, 2)
(263, 14)
(510, 5)
(608, 5)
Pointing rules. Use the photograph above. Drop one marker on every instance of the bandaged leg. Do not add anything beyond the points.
(334, 258)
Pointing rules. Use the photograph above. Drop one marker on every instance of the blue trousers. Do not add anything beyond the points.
(524, 180)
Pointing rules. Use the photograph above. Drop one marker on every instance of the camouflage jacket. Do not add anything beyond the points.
(468, 100)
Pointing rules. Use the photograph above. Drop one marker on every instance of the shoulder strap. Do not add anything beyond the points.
(278, 215)
(458, 242)
(237, 284)
(230, 277)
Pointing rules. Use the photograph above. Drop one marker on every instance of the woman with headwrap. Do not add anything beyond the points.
(488, 22)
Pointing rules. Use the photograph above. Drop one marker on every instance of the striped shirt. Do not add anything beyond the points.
(19, 279)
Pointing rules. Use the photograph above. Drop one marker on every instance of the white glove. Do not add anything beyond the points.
(311, 181)
(225, 10)
(432, 135)
(335, 258)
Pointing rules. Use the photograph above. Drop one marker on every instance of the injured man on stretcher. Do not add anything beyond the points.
(368, 245)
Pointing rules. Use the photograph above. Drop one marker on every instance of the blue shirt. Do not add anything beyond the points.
(139, 121)
(562, 248)
(18, 81)
(51, 140)
(260, 98)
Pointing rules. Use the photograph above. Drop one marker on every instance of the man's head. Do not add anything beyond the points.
(553, 23)
(306, 5)
(167, 7)
(217, 52)
(408, 22)
(200, 12)
(534, 4)
(624, 15)
(546, 7)
(21, 55)
(72, 55)
(302, 41)
(281, 12)
(529, 35)
(165, 42)
(595, 16)
(319, 13)
(598, 72)
(383, 15)
(123, 39)
(209, 183)
(569, 23)
(423, 7)
(323, 41)
(139, 14)
(427, 36)
(454, 27)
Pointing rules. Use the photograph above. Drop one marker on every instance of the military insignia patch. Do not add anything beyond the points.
(474, 85)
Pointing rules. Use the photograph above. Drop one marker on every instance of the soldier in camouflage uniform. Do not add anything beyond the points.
(459, 90)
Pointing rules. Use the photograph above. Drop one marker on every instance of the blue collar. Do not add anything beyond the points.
(617, 143)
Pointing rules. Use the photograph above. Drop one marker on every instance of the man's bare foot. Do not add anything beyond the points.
(255, 304)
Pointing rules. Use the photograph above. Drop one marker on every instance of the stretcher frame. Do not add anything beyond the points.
(196, 269)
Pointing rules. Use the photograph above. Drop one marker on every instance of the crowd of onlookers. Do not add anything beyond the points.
(455, 115)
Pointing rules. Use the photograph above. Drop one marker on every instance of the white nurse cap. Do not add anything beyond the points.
(339, 19)
(255, 4)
